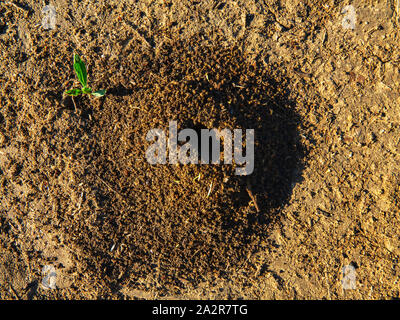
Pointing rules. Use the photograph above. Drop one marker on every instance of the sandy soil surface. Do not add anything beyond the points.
(317, 80)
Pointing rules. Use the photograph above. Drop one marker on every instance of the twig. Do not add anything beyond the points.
(138, 35)
(16, 6)
(253, 198)
(112, 189)
(15, 292)
(209, 190)
(8, 275)
(73, 101)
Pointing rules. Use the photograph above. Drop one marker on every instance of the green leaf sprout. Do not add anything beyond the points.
(81, 72)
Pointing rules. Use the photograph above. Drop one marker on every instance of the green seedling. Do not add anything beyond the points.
(80, 69)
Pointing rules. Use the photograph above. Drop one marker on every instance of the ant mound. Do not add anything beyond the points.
(181, 224)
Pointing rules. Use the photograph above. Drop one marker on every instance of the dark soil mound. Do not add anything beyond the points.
(177, 222)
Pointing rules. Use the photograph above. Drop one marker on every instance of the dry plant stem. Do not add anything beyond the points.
(15, 292)
(73, 101)
(113, 190)
(15, 5)
(252, 197)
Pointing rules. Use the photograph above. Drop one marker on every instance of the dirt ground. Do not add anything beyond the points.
(78, 195)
